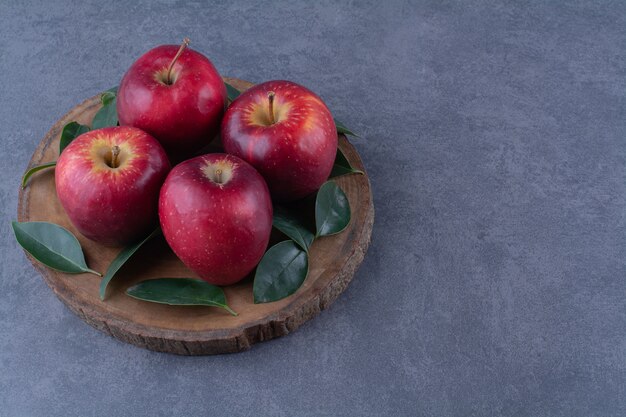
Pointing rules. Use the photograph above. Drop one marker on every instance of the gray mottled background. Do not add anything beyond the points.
(494, 135)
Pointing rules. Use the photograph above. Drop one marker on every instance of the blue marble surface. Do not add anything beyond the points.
(494, 135)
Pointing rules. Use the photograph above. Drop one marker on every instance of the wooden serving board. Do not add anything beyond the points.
(196, 330)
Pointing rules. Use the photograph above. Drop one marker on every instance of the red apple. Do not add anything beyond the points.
(287, 133)
(176, 95)
(108, 182)
(216, 215)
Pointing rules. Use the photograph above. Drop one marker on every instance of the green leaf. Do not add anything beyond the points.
(121, 259)
(280, 273)
(341, 128)
(342, 166)
(107, 115)
(70, 132)
(233, 93)
(52, 245)
(108, 96)
(29, 172)
(332, 210)
(288, 223)
(180, 291)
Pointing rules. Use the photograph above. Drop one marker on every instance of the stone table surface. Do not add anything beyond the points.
(494, 135)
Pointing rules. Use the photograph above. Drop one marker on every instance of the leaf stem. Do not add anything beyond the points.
(91, 271)
(184, 45)
(230, 310)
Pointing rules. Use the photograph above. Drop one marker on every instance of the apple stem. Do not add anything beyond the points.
(218, 176)
(270, 97)
(115, 151)
(184, 45)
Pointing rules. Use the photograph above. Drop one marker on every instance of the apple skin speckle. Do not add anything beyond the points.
(220, 230)
(295, 155)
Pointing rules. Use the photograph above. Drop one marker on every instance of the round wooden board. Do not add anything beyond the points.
(193, 330)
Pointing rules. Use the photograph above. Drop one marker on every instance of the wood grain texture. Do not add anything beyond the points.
(193, 330)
